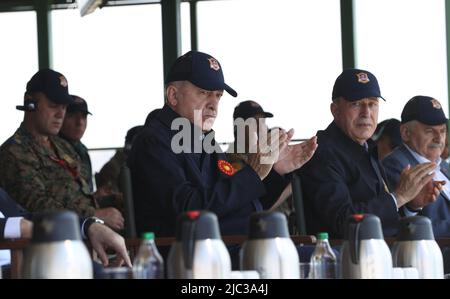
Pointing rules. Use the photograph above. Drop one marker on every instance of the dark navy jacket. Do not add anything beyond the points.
(9, 208)
(166, 184)
(438, 211)
(341, 179)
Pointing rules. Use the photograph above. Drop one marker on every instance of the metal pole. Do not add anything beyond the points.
(347, 34)
(171, 28)
(43, 18)
(447, 35)
(194, 32)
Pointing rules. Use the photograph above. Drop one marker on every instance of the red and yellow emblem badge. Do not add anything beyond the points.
(214, 64)
(63, 81)
(363, 78)
(436, 104)
(226, 167)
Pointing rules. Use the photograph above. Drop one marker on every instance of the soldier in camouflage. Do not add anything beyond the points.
(72, 130)
(40, 170)
(108, 176)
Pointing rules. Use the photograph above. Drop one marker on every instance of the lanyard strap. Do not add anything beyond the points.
(64, 164)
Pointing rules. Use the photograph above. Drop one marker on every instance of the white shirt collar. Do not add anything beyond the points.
(420, 158)
(438, 175)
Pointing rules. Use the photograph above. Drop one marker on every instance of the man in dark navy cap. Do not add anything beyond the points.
(423, 130)
(40, 170)
(248, 111)
(344, 176)
(254, 122)
(172, 174)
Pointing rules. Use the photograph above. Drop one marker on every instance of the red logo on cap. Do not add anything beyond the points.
(362, 78)
(226, 167)
(214, 64)
(63, 81)
(436, 104)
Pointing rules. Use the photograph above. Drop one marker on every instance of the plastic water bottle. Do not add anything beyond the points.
(148, 263)
(323, 259)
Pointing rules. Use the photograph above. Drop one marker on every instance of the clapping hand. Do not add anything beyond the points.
(295, 156)
(416, 186)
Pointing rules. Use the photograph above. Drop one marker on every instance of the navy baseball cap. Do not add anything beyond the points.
(249, 109)
(354, 85)
(78, 105)
(51, 83)
(200, 69)
(425, 110)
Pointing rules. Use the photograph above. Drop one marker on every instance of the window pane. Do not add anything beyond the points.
(403, 43)
(113, 59)
(18, 62)
(278, 53)
(185, 27)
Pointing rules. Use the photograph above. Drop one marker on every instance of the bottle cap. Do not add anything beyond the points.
(148, 236)
(322, 236)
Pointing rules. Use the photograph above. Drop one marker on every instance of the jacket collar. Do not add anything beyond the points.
(167, 115)
(353, 147)
(443, 165)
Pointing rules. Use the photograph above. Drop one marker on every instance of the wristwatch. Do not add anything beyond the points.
(413, 210)
(89, 221)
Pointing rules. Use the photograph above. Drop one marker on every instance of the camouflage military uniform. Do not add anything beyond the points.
(40, 179)
(85, 159)
(108, 176)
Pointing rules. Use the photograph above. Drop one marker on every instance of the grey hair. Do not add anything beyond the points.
(177, 84)
(411, 125)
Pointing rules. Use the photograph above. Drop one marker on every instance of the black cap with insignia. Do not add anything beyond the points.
(200, 69)
(354, 85)
(51, 83)
(424, 109)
